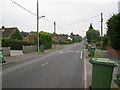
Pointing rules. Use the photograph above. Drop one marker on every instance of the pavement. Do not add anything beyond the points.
(88, 67)
(59, 69)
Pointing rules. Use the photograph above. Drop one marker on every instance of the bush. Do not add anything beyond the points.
(46, 40)
(14, 44)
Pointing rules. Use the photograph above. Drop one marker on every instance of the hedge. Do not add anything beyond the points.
(14, 44)
(46, 40)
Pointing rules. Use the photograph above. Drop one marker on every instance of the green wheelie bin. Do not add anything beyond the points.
(102, 69)
(117, 80)
(41, 48)
(89, 47)
(92, 52)
(1, 56)
(86, 46)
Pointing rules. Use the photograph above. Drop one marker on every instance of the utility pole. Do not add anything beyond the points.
(101, 30)
(54, 31)
(37, 25)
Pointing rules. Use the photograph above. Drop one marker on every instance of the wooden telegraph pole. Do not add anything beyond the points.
(101, 30)
(54, 32)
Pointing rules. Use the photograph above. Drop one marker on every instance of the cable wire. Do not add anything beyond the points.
(24, 8)
(84, 20)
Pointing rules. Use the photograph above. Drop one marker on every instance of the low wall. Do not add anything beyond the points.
(6, 51)
(112, 51)
(27, 49)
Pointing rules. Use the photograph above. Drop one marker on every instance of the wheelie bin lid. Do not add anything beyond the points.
(92, 47)
(103, 61)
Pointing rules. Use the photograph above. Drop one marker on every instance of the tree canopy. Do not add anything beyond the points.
(91, 27)
(92, 36)
(24, 34)
(113, 32)
(75, 38)
(16, 35)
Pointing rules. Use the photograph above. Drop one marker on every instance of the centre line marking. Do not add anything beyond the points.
(44, 64)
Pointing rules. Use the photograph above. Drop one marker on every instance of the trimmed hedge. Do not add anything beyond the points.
(46, 40)
(14, 44)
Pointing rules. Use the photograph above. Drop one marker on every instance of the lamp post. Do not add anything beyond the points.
(38, 25)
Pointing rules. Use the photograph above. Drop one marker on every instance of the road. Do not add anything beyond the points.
(60, 69)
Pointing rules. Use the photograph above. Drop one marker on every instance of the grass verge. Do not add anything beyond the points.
(50, 50)
(95, 56)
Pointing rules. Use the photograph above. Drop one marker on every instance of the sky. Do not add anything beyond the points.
(70, 15)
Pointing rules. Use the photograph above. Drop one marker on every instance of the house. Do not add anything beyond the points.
(12, 33)
(56, 37)
(7, 32)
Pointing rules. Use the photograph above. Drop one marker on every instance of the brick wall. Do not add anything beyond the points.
(112, 51)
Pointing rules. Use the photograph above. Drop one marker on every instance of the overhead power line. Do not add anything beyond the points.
(29, 11)
(52, 21)
(24, 8)
(48, 20)
(84, 20)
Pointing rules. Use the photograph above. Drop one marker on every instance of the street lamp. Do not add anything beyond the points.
(42, 17)
(38, 25)
(38, 32)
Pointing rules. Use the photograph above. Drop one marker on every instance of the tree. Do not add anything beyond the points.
(75, 38)
(24, 34)
(105, 40)
(91, 27)
(71, 35)
(16, 35)
(92, 36)
(113, 32)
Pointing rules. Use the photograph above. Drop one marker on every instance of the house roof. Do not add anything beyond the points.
(8, 31)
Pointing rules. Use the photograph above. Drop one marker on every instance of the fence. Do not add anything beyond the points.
(6, 51)
(27, 49)
(113, 52)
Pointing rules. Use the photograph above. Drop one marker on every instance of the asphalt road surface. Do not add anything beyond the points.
(60, 69)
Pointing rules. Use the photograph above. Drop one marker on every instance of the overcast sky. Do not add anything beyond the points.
(70, 15)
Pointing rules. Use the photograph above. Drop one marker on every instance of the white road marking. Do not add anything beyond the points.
(81, 54)
(71, 51)
(77, 51)
(66, 51)
(44, 64)
(85, 75)
(61, 52)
